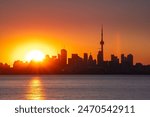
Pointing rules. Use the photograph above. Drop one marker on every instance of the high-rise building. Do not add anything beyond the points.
(130, 59)
(123, 59)
(85, 59)
(63, 57)
(100, 56)
(90, 60)
(75, 60)
(114, 59)
(127, 60)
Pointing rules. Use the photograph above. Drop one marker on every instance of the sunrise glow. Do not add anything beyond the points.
(24, 26)
(35, 55)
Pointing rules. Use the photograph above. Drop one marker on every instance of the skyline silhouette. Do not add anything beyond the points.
(50, 25)
(87, 64)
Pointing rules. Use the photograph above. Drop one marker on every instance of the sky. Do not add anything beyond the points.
(49, 25)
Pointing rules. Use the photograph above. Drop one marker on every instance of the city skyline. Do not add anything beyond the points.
(38, 56)
(87, 64)
(49, 26)
(99, 59)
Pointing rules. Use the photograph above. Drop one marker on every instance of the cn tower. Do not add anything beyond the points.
(102, 43)
(100, 55)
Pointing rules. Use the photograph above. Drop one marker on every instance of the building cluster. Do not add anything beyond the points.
(61, 64)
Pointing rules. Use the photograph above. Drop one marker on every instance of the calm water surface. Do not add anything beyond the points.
(32, 87)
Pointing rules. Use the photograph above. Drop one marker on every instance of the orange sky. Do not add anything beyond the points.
(51, 25)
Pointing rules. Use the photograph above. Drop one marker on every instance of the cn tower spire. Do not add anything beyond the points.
(102, 41)
(100, 55)
(102, 32)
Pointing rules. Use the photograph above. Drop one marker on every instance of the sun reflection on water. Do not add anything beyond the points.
(35, 89)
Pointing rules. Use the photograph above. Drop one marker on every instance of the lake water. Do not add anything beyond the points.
(59, 87)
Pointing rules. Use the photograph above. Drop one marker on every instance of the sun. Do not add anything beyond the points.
(35, 55)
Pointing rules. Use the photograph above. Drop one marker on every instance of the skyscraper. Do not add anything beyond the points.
(130, 59)
(85, 59)
(100, 56)
(63, 57)
(123, 59)
(114, 59)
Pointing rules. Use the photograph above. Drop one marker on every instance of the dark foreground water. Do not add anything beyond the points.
(18, 87)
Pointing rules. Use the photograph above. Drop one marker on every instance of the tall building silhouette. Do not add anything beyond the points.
(100, 56)
(63, 57)
(91, 61)
(114, 59)
(123, 59)
(127, 60)
(130, 59)
(85, 59)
